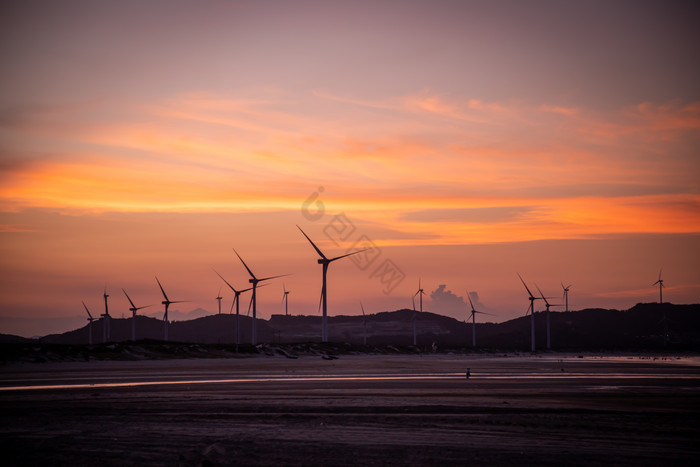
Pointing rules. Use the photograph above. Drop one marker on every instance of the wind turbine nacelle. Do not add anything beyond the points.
(320, 261)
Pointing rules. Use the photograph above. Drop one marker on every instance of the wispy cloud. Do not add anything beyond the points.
(477, 171)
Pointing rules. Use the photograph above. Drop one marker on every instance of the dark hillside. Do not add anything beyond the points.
(642, 326)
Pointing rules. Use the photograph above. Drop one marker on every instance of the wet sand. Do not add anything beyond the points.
(356, 410)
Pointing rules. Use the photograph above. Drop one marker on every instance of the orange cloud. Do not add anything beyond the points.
(579, 176)
(568, 111)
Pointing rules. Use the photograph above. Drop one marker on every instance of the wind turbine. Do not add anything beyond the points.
(324, 291)
(531, 310)
(285, 299)
(236, 301)
(254, 280)
(420, 294)
(90, 319)
(167, 303)
(218, 299)
(133, 310)
(661, 286)
(473, 313)
(106, 320)
(413, 318)
(364, 325)
(546, 314)
(566, 294)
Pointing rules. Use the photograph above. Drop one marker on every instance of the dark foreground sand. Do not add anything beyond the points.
(515, 410)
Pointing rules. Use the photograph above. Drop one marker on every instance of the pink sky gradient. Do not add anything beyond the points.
(467, 140)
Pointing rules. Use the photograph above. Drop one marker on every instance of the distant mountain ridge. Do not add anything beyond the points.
(642, 326)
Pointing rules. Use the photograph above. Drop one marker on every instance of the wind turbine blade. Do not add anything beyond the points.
(127, 296)
(320, 301)
(245, 265)
(250, 304)
(660, 273)
(541, 294)
(363, 310)
(414, 303)
(349, 254)
(161, 289)
(88, 311)
(320, 253)
(528, 290)
(470, 299)
(222, 278)
(181, 301)
(273, 277)
(142, 307)
(249, 288)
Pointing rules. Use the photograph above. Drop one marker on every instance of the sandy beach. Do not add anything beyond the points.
(551, 409)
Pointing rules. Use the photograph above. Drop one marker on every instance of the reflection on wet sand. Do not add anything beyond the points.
(398, 410)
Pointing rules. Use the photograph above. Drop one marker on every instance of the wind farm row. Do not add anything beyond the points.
(325, 261)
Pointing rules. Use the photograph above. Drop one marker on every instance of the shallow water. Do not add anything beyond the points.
(346, 377)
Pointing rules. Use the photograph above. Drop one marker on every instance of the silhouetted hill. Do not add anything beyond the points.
(212, 329)
(642, 326)
(12, 339)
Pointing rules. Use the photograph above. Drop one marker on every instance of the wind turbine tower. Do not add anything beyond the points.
(420, 294)
(90, 320)
(105, 323)
(167, 303)
(661, 286)
(531, 310)
(285, 299)
(473, 313)
(364, 325)
(237, 302)
(566, 295)
(546, 314)
(413, 319)
(254, 280)
(218, 299)
(323, 260)
(133, 311)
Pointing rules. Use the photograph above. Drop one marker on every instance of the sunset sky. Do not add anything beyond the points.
(464, 141)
